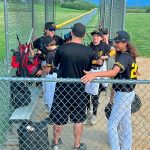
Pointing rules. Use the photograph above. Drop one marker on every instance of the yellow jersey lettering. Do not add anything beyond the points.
(100, 53)
(134, 71)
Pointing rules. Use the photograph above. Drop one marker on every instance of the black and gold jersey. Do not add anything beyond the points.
(100, 50)
(128, 71)
(49, 60)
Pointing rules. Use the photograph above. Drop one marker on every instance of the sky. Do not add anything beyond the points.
(137, 3)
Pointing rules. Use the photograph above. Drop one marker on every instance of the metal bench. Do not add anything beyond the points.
(24, 113)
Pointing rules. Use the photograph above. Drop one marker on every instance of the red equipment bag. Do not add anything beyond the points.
(21, 61)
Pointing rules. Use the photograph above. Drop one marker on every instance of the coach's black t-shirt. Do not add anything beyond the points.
(128, 71)
(72, 59)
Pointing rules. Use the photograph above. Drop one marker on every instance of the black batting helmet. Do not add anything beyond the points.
(136, 104)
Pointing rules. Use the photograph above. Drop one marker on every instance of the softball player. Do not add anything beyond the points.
(125, 67)
(100, 49)
(49, 71)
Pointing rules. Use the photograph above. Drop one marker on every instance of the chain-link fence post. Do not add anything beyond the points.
(6, 33)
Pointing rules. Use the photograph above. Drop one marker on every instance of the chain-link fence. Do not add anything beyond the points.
(29, 111)
(22, 16)
(25, 125)
(113, 14)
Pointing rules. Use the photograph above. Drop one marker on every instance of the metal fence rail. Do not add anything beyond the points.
(94, 136)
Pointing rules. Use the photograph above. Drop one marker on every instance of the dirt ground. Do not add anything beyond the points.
(95, 136)
(141, 119)
(144, 68)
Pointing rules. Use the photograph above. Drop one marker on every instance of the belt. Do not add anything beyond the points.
(53, 71)
(96, 68)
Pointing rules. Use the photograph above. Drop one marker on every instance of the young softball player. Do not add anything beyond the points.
(125, 67)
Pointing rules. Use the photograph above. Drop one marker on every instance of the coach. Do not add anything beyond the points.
(69, 99)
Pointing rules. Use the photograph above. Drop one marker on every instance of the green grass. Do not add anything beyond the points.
(138, 25)
(2, 35)
(64, 14)
(91, 26)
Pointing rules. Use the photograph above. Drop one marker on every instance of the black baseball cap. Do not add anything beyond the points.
(98, 31)
(122, 36)
(67, 36)
(46, 40)
(50, 26)
(104, 30)
(79, 29)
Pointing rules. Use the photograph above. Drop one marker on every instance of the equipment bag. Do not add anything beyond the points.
(20, 94)
(33, 136)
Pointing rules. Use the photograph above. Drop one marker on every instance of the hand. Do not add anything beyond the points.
(99, 62)
(31, 47)
(104, 57)
(89, 76)
(39, 73)
(106, 39)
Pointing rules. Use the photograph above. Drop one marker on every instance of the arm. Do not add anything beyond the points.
(89, 76)
(31, 51)
(111, 101)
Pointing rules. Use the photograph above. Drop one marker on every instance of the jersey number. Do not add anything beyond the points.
(134, 71)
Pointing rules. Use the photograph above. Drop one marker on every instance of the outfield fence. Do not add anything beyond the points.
(18, 122)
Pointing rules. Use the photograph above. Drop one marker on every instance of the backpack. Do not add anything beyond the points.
(23, 63)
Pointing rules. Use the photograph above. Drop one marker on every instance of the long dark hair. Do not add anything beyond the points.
(132, 50)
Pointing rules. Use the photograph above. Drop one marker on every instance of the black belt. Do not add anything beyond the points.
(96, 68)
(53, 71)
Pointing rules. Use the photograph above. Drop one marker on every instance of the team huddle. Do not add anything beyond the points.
(67, 101)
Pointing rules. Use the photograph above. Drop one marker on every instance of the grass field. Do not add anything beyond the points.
(2, 35)
(136, 24)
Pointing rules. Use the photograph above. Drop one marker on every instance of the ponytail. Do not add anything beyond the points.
(132, 50)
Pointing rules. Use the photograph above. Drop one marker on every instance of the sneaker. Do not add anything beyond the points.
(86, 121)
(93, 120)
(82, 147)
(47, 109)
(57, 146)
(89, 114)
(88, 117)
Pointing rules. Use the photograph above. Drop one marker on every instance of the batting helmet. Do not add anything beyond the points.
(136, 104)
